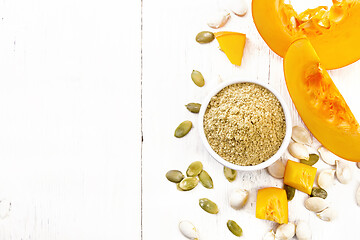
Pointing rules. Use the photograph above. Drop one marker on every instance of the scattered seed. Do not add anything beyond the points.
(301, 135)
(298, 150)
(316, 204)
(178, 187)
(218, 19)
(183, 129)
(238, 198)
(285, 231)
(234, 228)
(343, 172)
(327, 214)
(290, 192)
(174, 176)
(239, 7)
(277, 169)
(193, 107)
(197, 78)
(208, 206)
(313, 158)
(318, 192)
(327, 156)
(194, 169)
(303, 231)
(188, 230)
(326, 178)
(230, 174)
(206, 180)
(205, 37)
(188, 183)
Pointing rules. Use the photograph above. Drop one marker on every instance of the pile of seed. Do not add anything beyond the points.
(245, 124)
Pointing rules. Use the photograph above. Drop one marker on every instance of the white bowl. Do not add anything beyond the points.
(264, 164)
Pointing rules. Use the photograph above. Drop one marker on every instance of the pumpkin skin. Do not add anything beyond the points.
(319, 102)
(335, 34)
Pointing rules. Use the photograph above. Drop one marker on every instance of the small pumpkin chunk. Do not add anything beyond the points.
(232, 44)
(272, 204)
(299, 176)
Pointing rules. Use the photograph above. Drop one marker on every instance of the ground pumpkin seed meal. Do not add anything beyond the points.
(245, 124)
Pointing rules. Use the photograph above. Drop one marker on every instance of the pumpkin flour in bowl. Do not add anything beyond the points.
(244, 124)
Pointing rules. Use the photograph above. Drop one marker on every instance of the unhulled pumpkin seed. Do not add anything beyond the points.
(313, 158)
(193, 107)
(205, 37)
(197, 78)
(183, 129)
(290, 192)
(174, 176)
(318, 192)
(208, 206)
(234, 228)
(206, 180)
(230, 174)
(194, 169)
(188, 183)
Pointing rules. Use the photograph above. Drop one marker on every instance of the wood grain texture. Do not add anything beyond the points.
(170, 53)
(70, 132)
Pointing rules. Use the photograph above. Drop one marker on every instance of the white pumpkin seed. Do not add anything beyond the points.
(239, 198)
(285, 231)
(343, 172)
(358, 164)
(298, 150)
(269, 236)
(218, 19)
(357, 196)
(188, 230)
(326, 178)
(316, 204)
(327, 214)
(239, 7)
(327, 156)
(277, 169)
(301, 135)
(303, 231)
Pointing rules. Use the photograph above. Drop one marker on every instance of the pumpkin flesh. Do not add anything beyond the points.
(319, 102)
(334, 32)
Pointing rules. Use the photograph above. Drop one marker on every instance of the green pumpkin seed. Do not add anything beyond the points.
(197, 78)
(183, 129)
(234, 228)
(174, 176)
(178, 187)
(188, 183)
(206, 180)
(290, 192)
(208, 206)
(230, 174)
(313, 158)
(205, 37)
(194, 169)
(318, 192)
(193, 107)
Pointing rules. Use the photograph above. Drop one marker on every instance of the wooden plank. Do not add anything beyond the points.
(70, 119)
(170, 54)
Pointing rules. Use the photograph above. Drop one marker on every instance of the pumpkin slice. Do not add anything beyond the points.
(232, 44)
(334, 33)
(319, 102)
(272, 204)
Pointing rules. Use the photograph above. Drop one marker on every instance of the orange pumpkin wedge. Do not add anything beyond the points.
(232, 44)
(272, 204)
(334, 33)
(319, 102)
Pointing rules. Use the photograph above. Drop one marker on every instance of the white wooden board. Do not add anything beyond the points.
(170, 53)
(70, 119)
